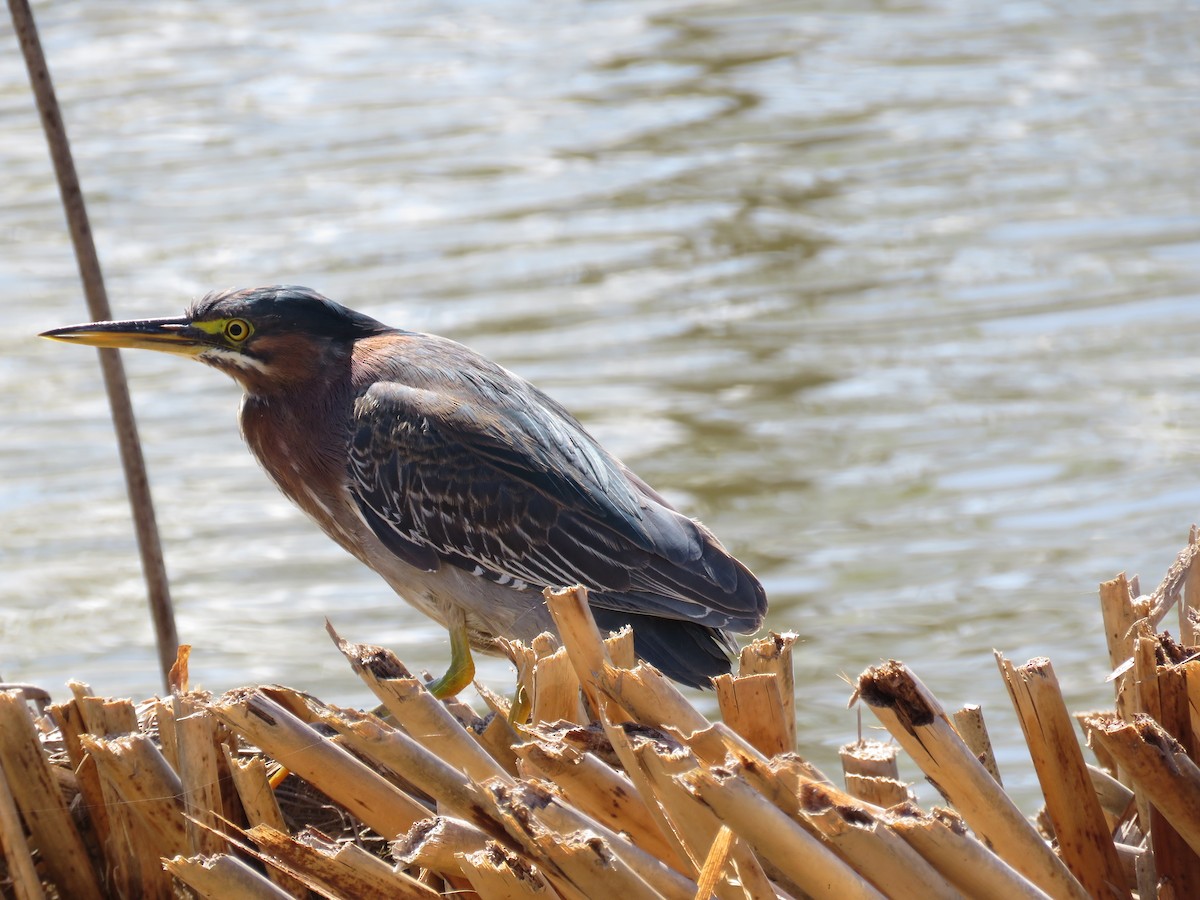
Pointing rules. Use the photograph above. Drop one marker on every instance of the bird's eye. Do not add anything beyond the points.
(237, 329)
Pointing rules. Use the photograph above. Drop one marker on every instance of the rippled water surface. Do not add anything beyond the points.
(903, 300)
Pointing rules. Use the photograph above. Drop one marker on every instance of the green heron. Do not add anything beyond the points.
(464, 486)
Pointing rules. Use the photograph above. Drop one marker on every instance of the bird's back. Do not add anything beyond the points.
(460, 463)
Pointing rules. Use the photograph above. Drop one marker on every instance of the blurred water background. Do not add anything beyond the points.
(902, 299)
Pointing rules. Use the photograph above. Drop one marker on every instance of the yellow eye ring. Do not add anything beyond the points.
(237, 330)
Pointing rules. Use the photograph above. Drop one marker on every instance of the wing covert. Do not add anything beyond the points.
(520, 492)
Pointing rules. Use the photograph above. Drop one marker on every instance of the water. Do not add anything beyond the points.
(902, 300)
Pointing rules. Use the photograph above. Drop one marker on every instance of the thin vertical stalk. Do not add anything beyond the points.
(113, 371)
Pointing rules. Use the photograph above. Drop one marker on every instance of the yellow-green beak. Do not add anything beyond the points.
(169, 335)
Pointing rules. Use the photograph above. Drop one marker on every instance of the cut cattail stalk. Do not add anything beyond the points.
(1084, 840)
(944, 841)
(802, 858)
(137, 779)
(752, 706)
(69, 717)
(652, 699)
(1189, 601)
(454, 791)
(916, 719)
(882, 792)
(573, 618)
(597, 790)
(870, 759)
(1157, 766)
(198, 765)
(969, 724)
(680, 858)
(343, 870)
(222, 877)
(416, 710)
(1106, 762)
(320, 762)
(26, 885)
(497, 872)
(440, 844)
(558, 817)
(693, 824)
(1174, 861)
(556, 689)
(619, 647)
(258, 801)
(1168, 592)
(872, 849)
(1145, 671)
(1120, 611)
(773, 655)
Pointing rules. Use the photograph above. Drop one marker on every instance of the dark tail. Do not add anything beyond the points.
(683, 651)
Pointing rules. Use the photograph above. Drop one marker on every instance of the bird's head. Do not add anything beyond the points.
(267, 338)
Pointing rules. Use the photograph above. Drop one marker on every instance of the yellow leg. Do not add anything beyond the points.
(518, 713)
(462, 666)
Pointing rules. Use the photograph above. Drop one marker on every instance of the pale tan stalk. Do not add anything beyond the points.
(439, 843)
(223, 877)
(1084, 840)
(258, 801)
(969, 724)
(949, 847)
(802, 858)
(319, 761)
(773, 655)
(916, 719)
(499, 874)
(41, 804)
(416, 710)
(871, 848)
(558, 817)
(1120, 611)
(343, 870)
(1158, 766)
(752, 705)
(22, 874)
(881, 792)
(872, 773)
(199, 767)
(598, 790)
(556, 689)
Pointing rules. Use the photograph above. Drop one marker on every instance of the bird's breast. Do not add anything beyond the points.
(304, 453)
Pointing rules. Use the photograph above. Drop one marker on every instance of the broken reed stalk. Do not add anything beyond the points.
(969, 724)
(316, 759)
(919, 724)
(945, 842)
(136, 482)
(340, 870)
(1084, 838)
(41, 803)
(639, 794)
(22, 871)
(871, 773)
(1158, 766)
(219, 877)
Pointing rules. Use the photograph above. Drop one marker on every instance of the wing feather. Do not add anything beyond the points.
(520, 491)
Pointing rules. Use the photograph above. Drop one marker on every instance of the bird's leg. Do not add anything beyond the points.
(462, 666)
(518, 713)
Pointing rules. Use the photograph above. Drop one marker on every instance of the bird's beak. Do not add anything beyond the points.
(169, 335)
